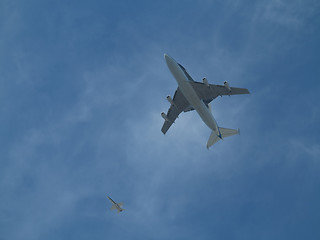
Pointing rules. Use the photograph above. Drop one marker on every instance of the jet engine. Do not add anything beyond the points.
(165, 117)
(205, 81)
(226, 85)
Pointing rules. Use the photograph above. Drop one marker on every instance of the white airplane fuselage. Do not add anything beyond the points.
(190, 94)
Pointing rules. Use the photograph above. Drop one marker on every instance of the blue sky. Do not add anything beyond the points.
(82, 86)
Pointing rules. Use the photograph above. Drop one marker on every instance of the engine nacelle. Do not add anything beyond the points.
(226, 85)
(205, 81)
(165, 117)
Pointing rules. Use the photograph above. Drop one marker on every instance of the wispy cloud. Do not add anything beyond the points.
(82, 120)
(293, 15)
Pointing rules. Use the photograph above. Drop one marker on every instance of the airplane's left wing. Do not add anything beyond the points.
(113, 207)
(208, 92)
(179, 104)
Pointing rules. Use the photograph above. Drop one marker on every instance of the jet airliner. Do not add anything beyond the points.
(191, 95)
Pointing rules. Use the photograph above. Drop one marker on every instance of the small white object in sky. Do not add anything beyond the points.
(116, 205)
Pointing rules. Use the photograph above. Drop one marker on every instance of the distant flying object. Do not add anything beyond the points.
(116, 205)
(191, 95)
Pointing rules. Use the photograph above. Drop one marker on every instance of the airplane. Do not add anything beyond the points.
(116, 205)
(191, 95)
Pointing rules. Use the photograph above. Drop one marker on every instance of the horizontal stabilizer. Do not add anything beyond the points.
(212, 139)
(227, 132)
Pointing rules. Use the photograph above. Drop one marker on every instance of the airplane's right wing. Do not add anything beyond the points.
(211, 91)
(180, 104)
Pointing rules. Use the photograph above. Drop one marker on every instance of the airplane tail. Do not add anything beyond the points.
(119, 207)
(224, 132)
(120, 210)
